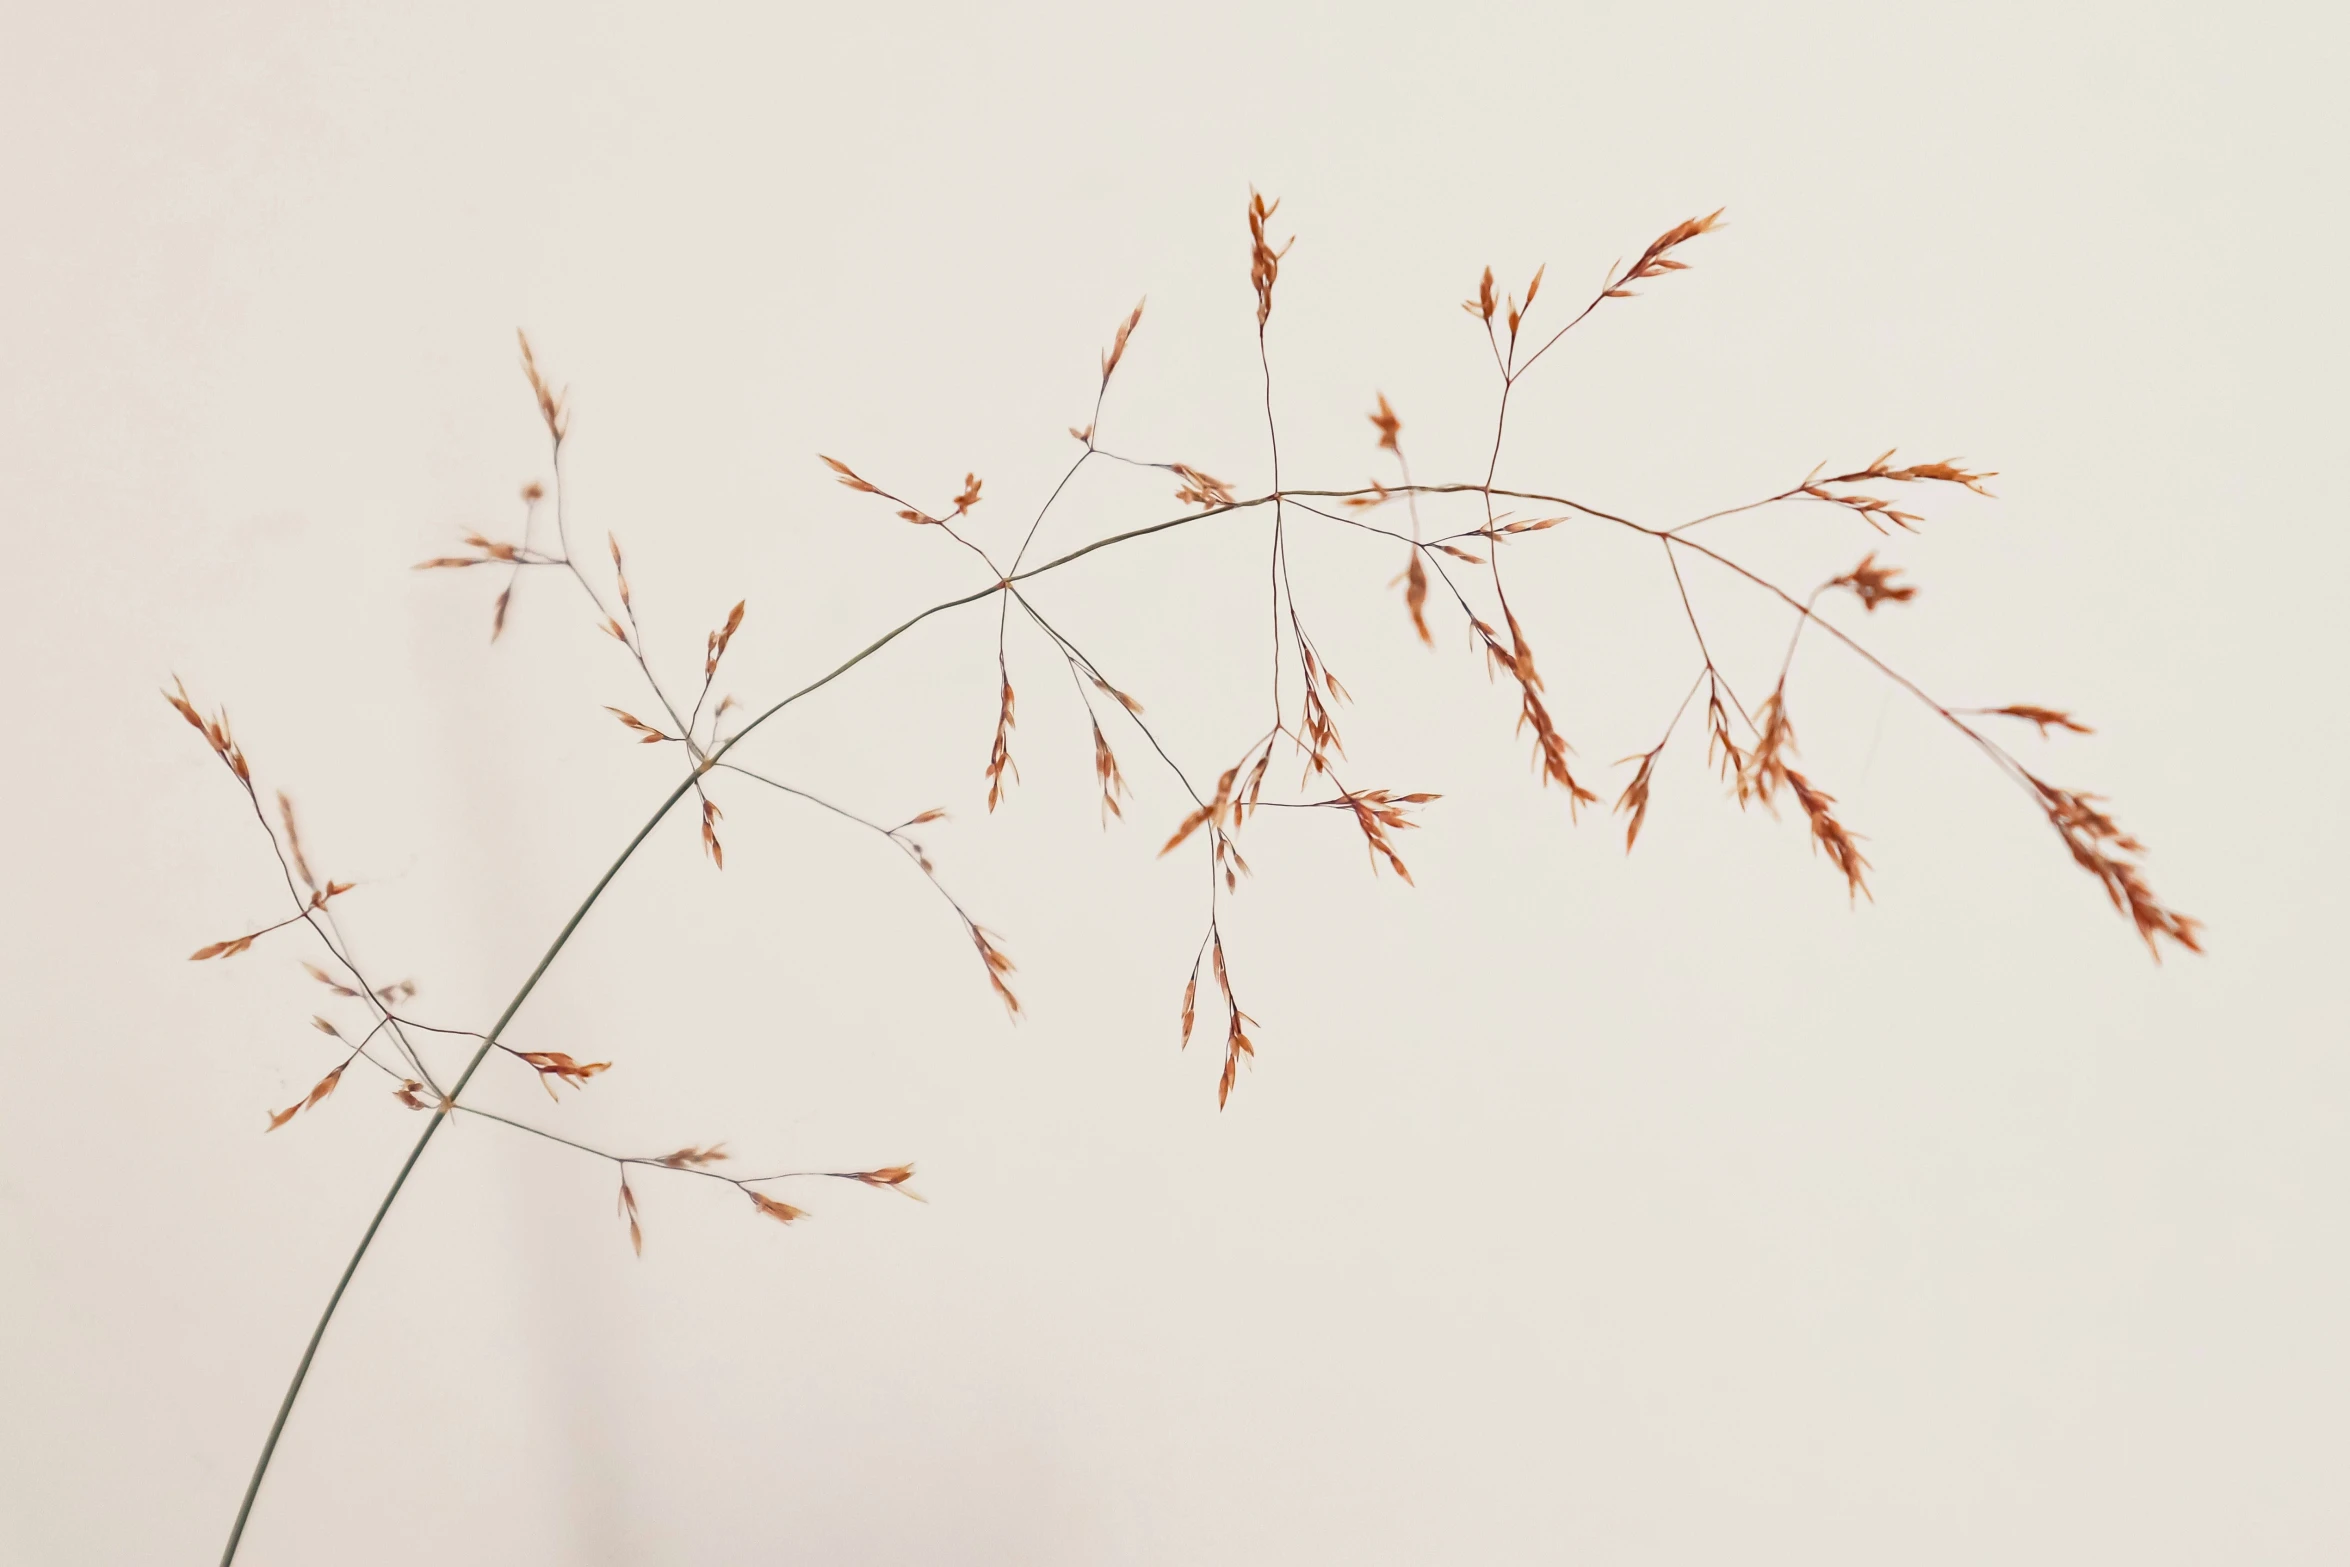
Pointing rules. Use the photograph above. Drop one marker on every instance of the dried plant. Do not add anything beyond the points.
(1452, 574)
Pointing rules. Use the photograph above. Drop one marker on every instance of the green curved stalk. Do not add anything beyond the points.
(563, 938)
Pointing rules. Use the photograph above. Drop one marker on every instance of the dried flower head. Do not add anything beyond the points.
(1264, 263)
(780, 1212)
(1873, 584)
(892, 1177)
(551, 409)
(553, 1067)
(1117, 351)
(1201, 489)
(1657, 259)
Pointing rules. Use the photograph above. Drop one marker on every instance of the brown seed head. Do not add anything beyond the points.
(2045, 718)
(894, 1177)
(1873, 584)
(636, 1234)
(553, 1066)
(1115, 352)
(1264, 261)
(551, 409)
(781, 1212)
(1483, 304)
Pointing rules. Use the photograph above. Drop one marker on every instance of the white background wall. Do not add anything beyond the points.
(1579, 1208)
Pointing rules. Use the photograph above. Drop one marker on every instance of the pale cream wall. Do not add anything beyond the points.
(1578, 1209)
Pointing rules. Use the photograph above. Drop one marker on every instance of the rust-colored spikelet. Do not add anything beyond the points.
(1875, 510)
(1827, 833)
(215, 731)
(1944, 472)
(781, 1212)
(498, 611)
(1550, 747)
(178, 698)
(1115, 352)
(1947, 472)
(1657, 259)
(407, 1094)
(1721, 746)
(1376, 812)
(1389, 426)
(1114, 694)
(1212, 811)
(285, 807)
(1236, 1045)
(317, 1095)
(1635, 798)
(970, 494)
(997, 964)
(550, 401)
(893, 1177)
(1236, 1040)
(710, 844)
(627, 1210)
(692, 1157)
(848, 475)
(999, 756)
(1321, 731)
(488, 552)
(328, 980)
(2043, 718)
(1379, 495)
(620, 570)
(646, 733)
(1190, 1005)
(325, 1086)
(1517, 312)
(1763, 772)
(2100, 847)
(716, 648)
(1415, 596)
(1264, 262)
(1245, 802)
(1482, 305)
(1871, 509)
(1200, 489)
(1873, 584)
(1106, 774)
(554, 1066)
(1764, 768)
(221, 949)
